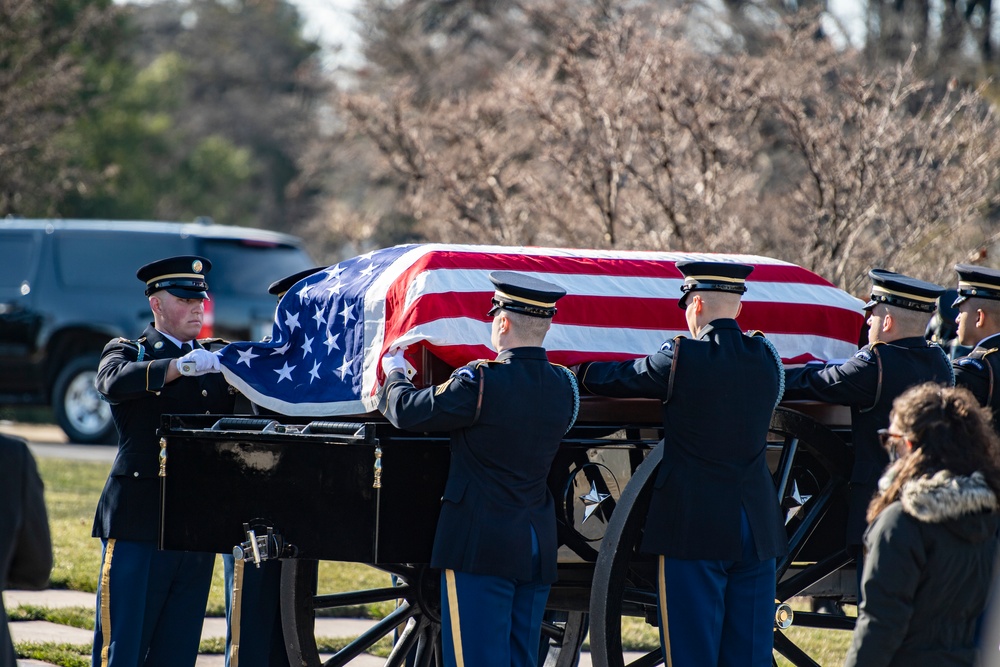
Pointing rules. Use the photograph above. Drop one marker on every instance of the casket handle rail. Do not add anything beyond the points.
(358, 430)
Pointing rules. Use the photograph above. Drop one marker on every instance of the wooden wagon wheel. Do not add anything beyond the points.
(810, 475)
(417, 619)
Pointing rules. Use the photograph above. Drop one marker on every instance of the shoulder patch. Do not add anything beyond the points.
(670, 345)
(864, 354)
(464, 372)
(970, 362)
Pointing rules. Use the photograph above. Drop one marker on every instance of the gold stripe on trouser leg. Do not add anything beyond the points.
(663, 613)
(234, 612)
(109, 551)
(456, 626)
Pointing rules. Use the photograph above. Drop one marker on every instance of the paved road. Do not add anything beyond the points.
(46, 440)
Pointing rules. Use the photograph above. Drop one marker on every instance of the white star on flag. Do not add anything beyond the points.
(246, 356)
(285, 372)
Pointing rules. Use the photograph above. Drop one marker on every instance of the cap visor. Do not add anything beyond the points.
(182, 293)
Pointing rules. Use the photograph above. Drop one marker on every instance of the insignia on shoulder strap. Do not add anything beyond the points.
(864, 355)
(970, 362)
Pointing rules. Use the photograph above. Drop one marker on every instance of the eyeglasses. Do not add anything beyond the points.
(884, 435)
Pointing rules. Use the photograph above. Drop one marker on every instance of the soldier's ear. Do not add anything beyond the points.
(739, 308)
(888, 322)
(980, 318)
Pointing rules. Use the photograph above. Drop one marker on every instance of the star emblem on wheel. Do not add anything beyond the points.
(592, 501)
(794, 502)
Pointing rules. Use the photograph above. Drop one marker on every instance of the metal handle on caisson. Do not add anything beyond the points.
(259, 548)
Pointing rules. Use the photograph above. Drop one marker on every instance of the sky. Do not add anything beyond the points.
(332, 24)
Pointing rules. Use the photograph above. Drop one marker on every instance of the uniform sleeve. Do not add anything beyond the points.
(121, 378)
(31, 563)
(891, 575)
(854, 382)
(444, 407)
(972, 374)
(639, 378)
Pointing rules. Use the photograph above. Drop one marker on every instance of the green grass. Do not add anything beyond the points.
(71, 492)
(72, 489)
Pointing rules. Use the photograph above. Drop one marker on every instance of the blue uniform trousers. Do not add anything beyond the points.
(717, 613)
(489, 621)
(150, 605)
(261, 643)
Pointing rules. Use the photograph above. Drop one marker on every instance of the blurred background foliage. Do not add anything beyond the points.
(838, 140)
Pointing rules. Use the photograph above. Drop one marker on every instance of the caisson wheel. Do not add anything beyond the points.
(810, 468)
(414, 626)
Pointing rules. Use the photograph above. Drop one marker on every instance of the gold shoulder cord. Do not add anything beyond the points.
(989, 368)
(878, 387)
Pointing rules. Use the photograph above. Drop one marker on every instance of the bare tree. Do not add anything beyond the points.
(627, 136)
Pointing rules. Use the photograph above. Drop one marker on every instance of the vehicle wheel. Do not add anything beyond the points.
(417, 619)
(811, 475)
(78, 407)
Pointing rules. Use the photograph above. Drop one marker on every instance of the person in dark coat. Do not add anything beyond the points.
(151, 603)
(25, 541)
(714, 518)
(896, 358)
(932, 542)
(978, 321)
(496, 539)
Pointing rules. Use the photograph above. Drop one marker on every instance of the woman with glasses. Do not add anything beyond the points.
(932, 538)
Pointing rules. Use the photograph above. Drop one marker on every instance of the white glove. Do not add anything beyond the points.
(198, 362)
(393, 360)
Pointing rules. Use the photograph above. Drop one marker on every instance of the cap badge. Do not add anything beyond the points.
(196, 266)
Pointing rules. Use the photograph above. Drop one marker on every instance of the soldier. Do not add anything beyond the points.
(978, 320)
(714, 519)
(496, 536)
(150, 603)
(253, 635)
(896, 358)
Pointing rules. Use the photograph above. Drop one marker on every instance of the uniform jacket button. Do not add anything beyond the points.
(135, 474)
(204, 392)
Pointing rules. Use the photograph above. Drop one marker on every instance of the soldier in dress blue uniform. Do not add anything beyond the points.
(978, 320)
(714, 519)
(254, 636)
(896, 358)
(151, 603)
(496, 536)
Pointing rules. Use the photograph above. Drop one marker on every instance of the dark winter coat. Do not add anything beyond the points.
(927, 574)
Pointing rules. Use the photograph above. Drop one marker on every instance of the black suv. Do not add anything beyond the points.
(68, 286)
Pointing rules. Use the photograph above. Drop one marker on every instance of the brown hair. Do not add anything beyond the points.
(949, 431)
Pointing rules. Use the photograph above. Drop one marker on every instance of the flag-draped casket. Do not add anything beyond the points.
(332, 328)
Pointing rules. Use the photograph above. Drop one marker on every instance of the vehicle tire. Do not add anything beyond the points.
(417, 619)
(79, 409)
(811, 477)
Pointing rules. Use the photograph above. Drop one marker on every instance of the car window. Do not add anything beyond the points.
(88, 258)
(248, 267)
(17, 260)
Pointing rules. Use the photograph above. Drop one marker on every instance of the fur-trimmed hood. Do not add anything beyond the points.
(946, 497)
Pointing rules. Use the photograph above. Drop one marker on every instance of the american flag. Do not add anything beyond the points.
(332, 328)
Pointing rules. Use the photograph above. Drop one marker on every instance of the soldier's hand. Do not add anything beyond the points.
(393, 360)
(198, 362)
